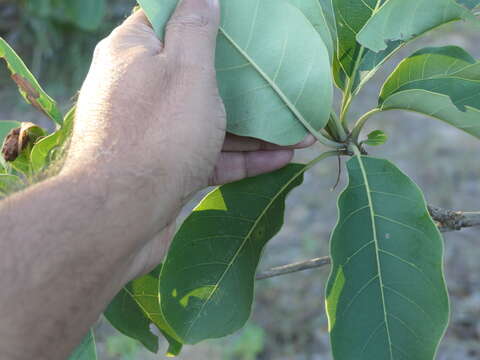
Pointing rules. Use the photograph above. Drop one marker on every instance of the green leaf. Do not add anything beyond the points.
(386, 295)
(469, 4)
(17, 146)
(376, 138)
(45, 151)
(439, 82)
(285, 87)
(6, 127)
(136, 308)
(402, 20)
(315, 13)
(28, 86)
(207, 281)
(425, 64)
(87, 350)
(351, 16)
(9, 183)
(354, 17)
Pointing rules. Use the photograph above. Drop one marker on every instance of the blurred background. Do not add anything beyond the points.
(56, 39)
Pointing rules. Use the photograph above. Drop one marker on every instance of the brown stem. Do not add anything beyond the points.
(447, 220)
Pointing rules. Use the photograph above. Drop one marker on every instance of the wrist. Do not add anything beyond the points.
(130, 202)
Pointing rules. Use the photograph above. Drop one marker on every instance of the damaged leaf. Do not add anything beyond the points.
(28, 86)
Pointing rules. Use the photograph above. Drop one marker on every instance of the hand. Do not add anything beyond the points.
(150, 118)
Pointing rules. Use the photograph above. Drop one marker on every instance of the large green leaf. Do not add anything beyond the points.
(401, 20)
(87, 350)
(136, 308)
(439, 82)
(274, 87)
(427, 63)
(28, 85)
(315, 13)
(207, 281)
(351, 16)
(386, 296)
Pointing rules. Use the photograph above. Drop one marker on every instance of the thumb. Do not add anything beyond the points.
(192, 31)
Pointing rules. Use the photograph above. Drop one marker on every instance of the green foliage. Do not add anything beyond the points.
(28, 86)
(137, 307)
(216, 251)
(85, 14)
(386, 296)
(9, 183)
(86, 350)
(376, 138)
(247, 345)
(412, 17)
(313, 11)
(47, 149)
(122, 347)
(289, 79)
(439, 82)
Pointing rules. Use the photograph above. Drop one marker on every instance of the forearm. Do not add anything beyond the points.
(64, 253)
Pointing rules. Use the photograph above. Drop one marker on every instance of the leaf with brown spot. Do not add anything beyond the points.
(28, 86)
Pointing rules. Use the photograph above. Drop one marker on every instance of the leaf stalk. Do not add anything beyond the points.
(357, 129)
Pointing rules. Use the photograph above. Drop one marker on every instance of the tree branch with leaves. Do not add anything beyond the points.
(277, 65)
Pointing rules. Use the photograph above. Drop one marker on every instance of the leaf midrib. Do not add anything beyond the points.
(377, 247)
(398, 89)
(240, 248)
(169, 330)
(270, 82)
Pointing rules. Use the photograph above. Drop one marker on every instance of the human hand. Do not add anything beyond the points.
(150, 121)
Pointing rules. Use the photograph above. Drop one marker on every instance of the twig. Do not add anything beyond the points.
(447, 220)
(450, 220)
(295, 267)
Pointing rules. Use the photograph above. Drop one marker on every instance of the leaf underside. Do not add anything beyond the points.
(274, 87)
(207, 281)
(316, 12)
(386, 295)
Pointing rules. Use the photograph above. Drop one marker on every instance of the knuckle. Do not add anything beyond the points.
(100, 48)
(187, 22)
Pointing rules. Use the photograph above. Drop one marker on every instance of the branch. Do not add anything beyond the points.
(447, 220)
(295, 267)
